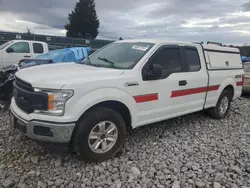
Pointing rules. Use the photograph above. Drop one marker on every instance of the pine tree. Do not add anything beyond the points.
(83, 20)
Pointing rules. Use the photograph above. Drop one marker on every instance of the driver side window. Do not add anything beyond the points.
(170, 60)
(20, 47)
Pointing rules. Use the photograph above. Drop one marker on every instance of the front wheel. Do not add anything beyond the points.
(100, 135)
(223, 105)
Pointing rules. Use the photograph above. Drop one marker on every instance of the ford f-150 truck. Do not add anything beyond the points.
(129, 83)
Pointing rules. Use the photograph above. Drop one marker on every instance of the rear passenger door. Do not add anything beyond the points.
(180, 89)
(191, 90)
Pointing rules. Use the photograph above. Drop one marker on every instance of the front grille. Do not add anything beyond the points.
(26, 108)
(24, 85)
(28, 100)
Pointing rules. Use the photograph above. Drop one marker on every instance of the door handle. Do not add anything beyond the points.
(182, 83)
(26, 56)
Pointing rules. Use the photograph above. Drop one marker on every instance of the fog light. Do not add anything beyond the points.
(43, 131)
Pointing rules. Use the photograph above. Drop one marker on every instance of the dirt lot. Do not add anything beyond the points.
(189, 151)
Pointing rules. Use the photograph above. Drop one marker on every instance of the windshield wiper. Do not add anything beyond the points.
(107, 61)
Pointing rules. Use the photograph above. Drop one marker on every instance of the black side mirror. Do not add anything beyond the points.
(9, 50)
(154, 72)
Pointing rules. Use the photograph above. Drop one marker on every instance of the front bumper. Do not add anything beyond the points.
(43, 131)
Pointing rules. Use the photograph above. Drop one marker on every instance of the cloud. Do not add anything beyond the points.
(246, 7)
(226, 21)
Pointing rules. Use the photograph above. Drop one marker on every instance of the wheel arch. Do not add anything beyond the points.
(117, 106)
(227, 84)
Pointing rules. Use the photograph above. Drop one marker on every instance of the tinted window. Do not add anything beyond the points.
(38, 48)
(169, 59)
(21, 47)
(192, 59)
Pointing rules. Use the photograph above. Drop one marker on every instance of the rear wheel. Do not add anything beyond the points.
(100, 135)
(223, 105)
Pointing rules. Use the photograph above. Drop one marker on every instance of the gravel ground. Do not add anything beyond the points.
(189, 151)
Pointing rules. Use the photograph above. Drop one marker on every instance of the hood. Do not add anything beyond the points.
(55, 76)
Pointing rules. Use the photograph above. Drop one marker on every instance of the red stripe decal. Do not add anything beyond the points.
(239, 83)
(213, 88)
(146, 98)
(192, 91)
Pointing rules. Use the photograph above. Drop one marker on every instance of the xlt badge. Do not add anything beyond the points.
(127, 84)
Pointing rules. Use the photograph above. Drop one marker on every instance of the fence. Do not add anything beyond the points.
(54, 42)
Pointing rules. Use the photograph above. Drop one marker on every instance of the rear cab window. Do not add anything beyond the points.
(38, 48)
(192, 59)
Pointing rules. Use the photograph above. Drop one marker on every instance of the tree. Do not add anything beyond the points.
(83, 20)
(120, 38)
(28, 31)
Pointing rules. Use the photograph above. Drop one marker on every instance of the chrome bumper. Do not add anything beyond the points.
(43, 131)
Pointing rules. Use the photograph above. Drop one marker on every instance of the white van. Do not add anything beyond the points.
(13, 51)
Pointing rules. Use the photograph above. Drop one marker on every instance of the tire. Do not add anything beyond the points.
(91, 123)
(216, 111)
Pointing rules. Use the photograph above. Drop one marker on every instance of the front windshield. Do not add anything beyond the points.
(120, 55)
(247, 67)
(5, 44)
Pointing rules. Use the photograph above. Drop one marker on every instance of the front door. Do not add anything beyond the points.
(176, 91)
(16, 52)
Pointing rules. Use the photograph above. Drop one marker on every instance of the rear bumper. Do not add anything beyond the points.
(49, 132)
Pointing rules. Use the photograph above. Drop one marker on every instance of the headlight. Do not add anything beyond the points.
(56, 101)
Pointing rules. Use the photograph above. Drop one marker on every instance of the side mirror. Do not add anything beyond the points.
(9, 50)
(155, 71)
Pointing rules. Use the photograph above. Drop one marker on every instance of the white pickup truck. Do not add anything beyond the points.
(128, 83)
(13, 51)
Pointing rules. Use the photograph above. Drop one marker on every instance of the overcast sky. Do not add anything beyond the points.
(227, 21)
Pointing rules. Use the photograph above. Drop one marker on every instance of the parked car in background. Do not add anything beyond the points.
(13, 51)
(245, 59)
(246, 84)
(75, 54)
(129, 83)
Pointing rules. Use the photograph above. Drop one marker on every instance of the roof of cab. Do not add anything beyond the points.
(155, 41)
(164, 41)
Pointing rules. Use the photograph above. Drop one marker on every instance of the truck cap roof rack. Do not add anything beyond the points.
(198, 42)
(216, 43)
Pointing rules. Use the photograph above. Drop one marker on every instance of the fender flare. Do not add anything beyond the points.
(227, 82)
(111, 94)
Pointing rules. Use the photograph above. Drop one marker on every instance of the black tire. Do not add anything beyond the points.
(215, 111)
(87, 123)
